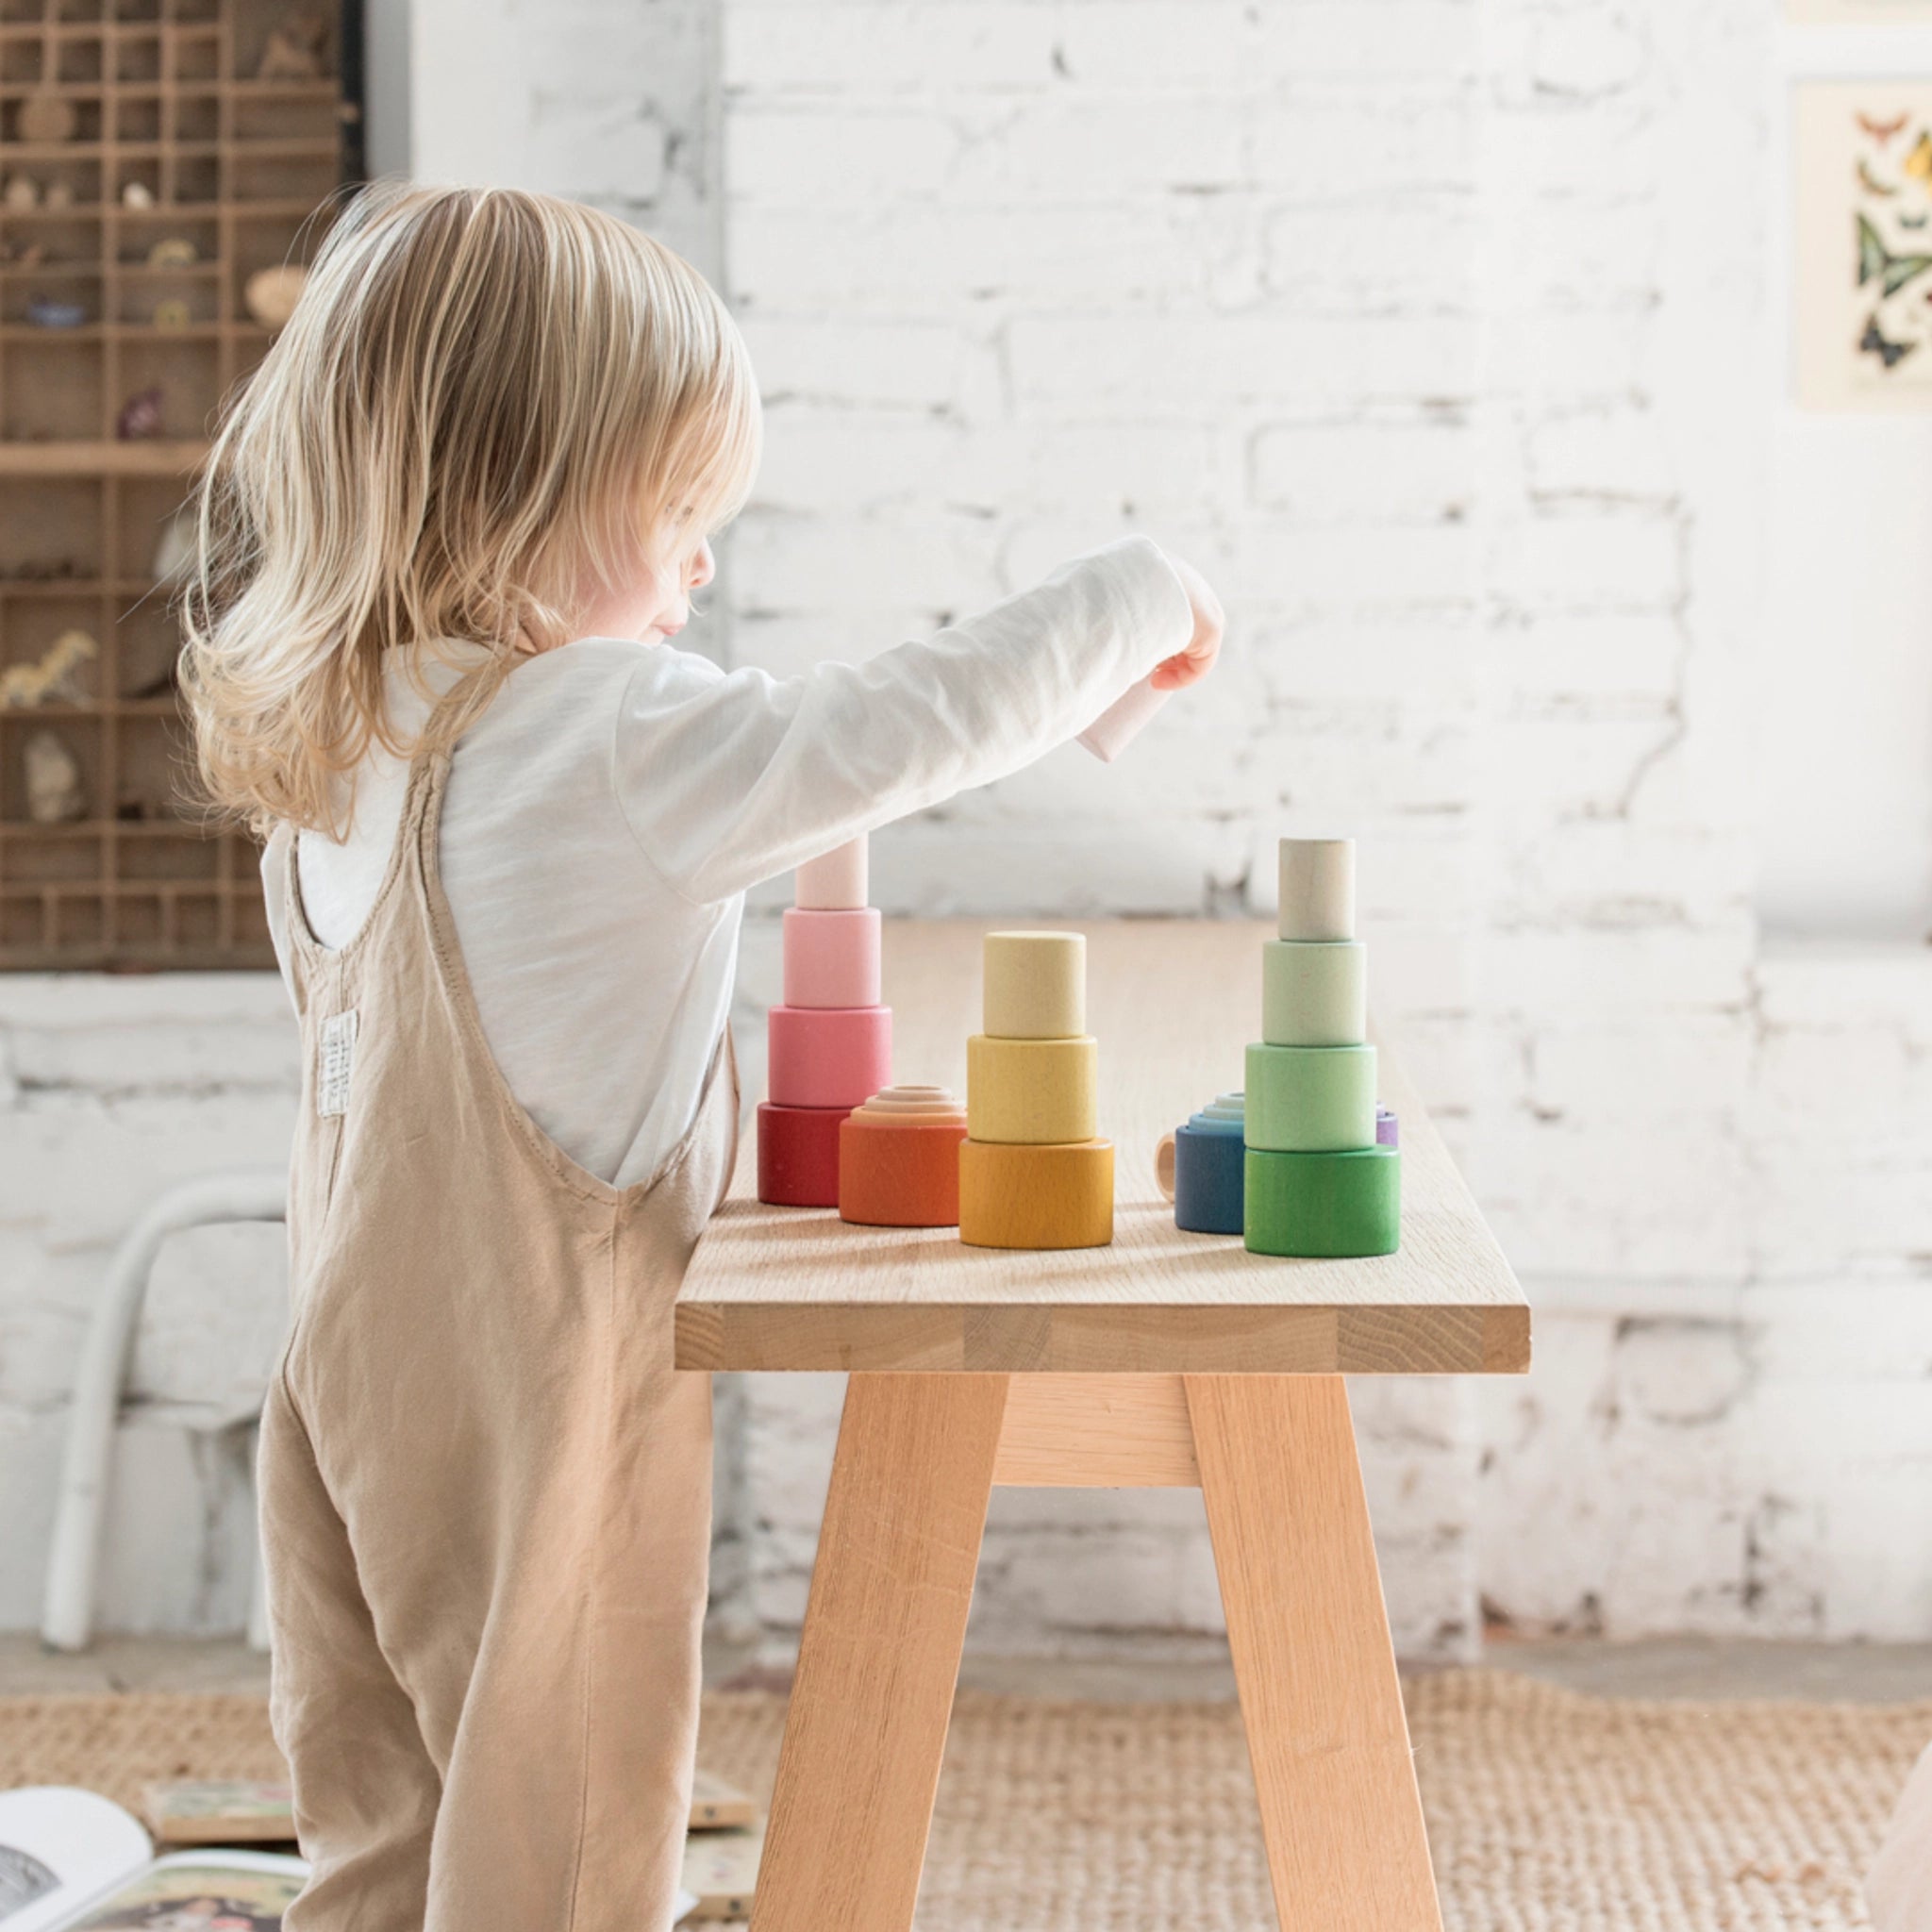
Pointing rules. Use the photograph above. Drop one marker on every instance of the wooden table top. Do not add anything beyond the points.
(1173, 1003)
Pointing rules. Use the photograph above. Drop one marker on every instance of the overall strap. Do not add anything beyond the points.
(312, 963)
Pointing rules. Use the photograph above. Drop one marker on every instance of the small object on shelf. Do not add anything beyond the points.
(164, 683)
(27, 255)
(173, 251)
(294, 50)
(54, 791)
(47, 117)
(175, 553)
(271, 293)
(51, 679)
(899, 1159)
(141, 416)
(46, 311)
(172, 314)
(60, 193)
(137, 195)
(21, 192)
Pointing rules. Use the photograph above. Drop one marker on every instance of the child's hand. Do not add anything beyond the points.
(1192, 664)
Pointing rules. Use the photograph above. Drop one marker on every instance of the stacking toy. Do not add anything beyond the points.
(829, 1042)
(1346, 1202)
(1116, 728)
(798, 1154)
(1033, 1171)
(1387, 1129)
(899, 1159)
(1321, 1173)
(1202, 1168)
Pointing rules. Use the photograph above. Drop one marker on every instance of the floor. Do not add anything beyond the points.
(1858, 1673)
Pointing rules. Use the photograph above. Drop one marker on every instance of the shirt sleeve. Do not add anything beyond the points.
(747, 775)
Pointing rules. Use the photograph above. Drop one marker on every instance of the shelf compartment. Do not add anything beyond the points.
(80, 737)
(50, 527)
(31, 631)
(50, 393)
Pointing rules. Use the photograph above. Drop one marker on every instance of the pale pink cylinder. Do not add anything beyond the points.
(828, 1055)
(838, 880)
(832, 958)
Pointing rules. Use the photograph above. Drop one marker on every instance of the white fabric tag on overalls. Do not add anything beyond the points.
(338, 1062)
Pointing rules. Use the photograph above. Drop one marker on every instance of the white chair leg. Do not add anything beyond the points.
(251, 1195)
(258, 1585)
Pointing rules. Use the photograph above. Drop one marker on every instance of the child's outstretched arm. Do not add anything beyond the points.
(729, 778)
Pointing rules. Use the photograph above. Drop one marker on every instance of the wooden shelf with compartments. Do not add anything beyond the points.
(155, 155)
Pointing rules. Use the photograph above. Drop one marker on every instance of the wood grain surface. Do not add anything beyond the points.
(1173, 1003)
(1327, 1739)
(879, 1654)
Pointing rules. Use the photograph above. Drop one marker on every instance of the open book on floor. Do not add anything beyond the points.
(250, 1811)
(74, 1861)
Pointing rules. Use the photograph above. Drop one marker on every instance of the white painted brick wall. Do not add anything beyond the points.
(1436, 332)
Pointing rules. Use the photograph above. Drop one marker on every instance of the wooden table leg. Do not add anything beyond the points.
(880, 1653)
(1306, 1621)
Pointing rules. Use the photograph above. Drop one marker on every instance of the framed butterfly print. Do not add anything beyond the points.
(1862, 244)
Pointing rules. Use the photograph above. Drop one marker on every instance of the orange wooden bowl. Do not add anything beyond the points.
(899, 1159)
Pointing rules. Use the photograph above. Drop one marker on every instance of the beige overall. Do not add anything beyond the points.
(486, 1495)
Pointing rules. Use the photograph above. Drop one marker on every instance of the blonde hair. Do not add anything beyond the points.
(485, 402)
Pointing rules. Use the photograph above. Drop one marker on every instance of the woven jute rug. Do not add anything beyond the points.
(1548, 1811)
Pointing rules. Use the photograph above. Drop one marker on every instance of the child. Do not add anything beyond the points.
(447, 537)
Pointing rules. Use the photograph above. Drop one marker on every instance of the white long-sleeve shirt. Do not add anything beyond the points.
(606, 812)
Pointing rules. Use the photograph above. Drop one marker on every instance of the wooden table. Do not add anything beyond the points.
(1165, 1360)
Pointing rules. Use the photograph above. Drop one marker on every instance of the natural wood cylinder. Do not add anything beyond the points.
(1316, 889)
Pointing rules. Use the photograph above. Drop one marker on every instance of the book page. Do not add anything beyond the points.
(201, 1891)
(60, 1847)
